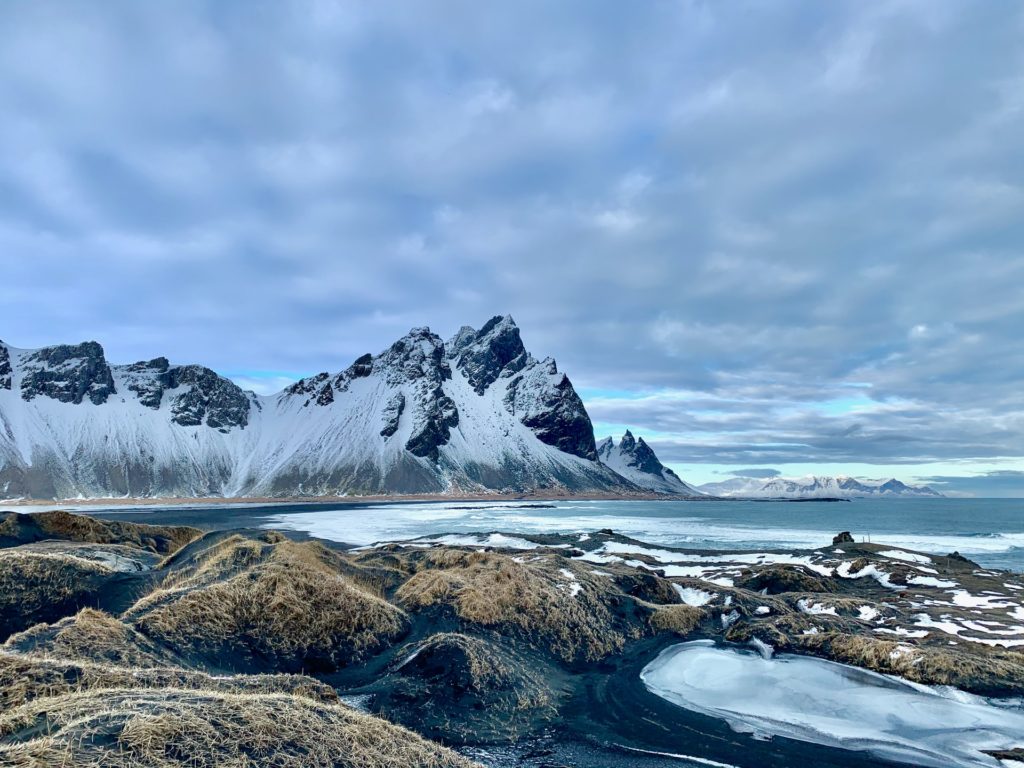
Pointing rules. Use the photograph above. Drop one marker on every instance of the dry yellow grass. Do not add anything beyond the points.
(491, 589)
(26, 677)
(118, 728)
(36, 586)
(681, 619)
(986, 671)
(282, 606)
(90, 635)
(65, 525)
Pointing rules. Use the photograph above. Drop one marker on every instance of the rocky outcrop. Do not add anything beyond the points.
(206, 398)
(544, 400)
(197, 394)
(5, 367)
(68, 373)
(495, 350)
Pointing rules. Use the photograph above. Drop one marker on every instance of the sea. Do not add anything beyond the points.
(988, 531)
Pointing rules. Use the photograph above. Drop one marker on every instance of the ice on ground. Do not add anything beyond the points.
(762, 610)
(694, 597)
(728, 619)
(827, 703)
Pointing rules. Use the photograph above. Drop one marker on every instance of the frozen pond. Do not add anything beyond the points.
(833, 704)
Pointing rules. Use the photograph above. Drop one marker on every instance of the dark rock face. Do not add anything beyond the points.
(546, 402)
(393, 414)
(417, 363)
(642, 457)
(221, 403)
(494, 350)
(5, 367)
(843, 538)
(537, 394)
(144, 381)
(68, 373)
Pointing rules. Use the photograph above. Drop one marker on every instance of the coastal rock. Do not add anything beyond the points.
(843, 538)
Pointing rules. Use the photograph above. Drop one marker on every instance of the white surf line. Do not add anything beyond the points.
(674, 756)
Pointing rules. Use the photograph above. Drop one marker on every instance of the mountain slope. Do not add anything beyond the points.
(815, 487)
(423, 416)
(634, 460)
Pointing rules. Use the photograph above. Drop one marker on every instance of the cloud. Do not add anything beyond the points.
(729, 210)
(754, 472)
(993, 484)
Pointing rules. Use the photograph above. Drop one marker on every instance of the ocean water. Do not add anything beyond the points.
(989, 531)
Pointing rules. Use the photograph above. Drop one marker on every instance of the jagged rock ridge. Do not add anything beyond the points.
(637, 462)
(476, 413)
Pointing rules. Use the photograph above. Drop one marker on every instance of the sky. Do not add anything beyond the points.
(770, 237)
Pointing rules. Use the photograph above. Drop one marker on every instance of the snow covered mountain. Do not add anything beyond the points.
(634, 460)
(814, 487)
(424, 416)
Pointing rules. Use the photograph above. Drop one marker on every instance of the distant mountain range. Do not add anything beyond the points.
(814, 487)
(475, 413)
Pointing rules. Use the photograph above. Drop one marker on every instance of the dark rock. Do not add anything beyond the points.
(68, 373)
(843, 538)
(495, 349)
(313, 384)
(363, 366)
(219, 402)
(778, 579)
(144, 383)
(437, 415)
(545, 401)
(417, 363)
(6, 371)
(961, 559)
(393, 414)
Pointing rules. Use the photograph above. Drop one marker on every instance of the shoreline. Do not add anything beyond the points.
(205, 501)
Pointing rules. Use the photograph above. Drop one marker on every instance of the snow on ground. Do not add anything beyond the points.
(691, 596)
(809, 606)
(908, 557)
(867, 613)
(930, 581)
(574, 585)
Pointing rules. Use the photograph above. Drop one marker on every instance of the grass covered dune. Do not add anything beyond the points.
(149, 646)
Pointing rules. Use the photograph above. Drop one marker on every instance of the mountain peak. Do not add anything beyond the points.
(636, 461)
(495, 350)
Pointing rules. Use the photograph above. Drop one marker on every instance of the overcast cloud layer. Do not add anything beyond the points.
(763, 233)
